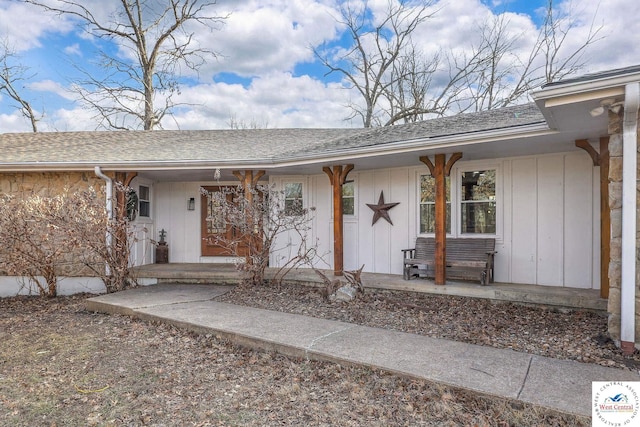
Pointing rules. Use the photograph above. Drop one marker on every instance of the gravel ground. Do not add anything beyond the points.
(63, 366)
(563, 334)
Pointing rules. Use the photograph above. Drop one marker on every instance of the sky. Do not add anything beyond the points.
(265, 73)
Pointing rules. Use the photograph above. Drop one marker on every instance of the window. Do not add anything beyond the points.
(478, 202)
(293, 199)
(144, 200)
(428, 204)
(348, 198)
(473, 192)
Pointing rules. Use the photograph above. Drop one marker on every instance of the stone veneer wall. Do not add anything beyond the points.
(47, 183)
(22, 184)
(615, 206)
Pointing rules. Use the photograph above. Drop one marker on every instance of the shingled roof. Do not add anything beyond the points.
(461, 124)
(270, 145)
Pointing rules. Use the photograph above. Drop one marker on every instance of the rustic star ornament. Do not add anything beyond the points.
(381, 210)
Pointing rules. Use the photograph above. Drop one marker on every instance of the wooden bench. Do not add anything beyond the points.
(468, 259)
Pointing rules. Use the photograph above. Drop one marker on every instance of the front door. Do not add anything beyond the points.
(213, 224)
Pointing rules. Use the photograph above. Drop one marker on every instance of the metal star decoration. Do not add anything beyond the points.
(381, 210)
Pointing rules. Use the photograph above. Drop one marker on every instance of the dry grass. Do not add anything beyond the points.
(63, 366)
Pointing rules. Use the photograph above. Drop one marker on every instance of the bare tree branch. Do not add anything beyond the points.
(160, 41)
(377, 46)
(397, 83)
(11, 75)
(506, 79)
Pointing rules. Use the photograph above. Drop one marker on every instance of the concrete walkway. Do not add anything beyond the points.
(557, 384)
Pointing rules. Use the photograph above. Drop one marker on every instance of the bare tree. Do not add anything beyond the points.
(155, 39)
(412, 93)
(31, 246)
(367, 66)
(235, 123)
(503, 78)
(11, 76)
(398, 83)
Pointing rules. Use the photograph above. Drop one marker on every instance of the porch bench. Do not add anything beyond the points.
(467, 259)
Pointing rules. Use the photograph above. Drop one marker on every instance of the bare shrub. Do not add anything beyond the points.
(104, 243)
(44, 238)
(260, 225)
(32, 245)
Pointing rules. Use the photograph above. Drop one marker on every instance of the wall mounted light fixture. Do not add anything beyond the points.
(191, 204)
(607, 104)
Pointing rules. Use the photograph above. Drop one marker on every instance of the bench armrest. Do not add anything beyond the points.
(408, 253)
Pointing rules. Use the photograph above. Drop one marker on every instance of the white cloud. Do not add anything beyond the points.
(73, 50)
(272, 36)
(13, 122)
(25, 25)
(264, 41)
(277, 99)
(53, 87)
(620, 27)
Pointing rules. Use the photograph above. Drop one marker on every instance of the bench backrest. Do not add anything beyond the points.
(463, 249)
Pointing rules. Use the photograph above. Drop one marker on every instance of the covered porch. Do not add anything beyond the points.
(554, 297)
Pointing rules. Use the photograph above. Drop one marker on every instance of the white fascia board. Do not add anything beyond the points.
(582, 87)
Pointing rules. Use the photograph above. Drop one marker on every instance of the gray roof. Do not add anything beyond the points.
(484, 121)
(595, 76)
(161, 145)
(249, 145)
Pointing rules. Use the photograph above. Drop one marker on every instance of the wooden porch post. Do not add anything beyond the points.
(125, 179)
(248, 181)
(439, 171)
(337, 177)
(602, 159)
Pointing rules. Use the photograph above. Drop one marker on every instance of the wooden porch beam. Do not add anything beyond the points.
(595, 157)
(454, 158)
(337, 177)
(440, 170)
(248, 181)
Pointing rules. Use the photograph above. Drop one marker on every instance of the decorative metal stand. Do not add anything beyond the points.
(162, 249)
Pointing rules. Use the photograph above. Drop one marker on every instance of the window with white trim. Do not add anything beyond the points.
(293, 205)
(348, 198)
(428, 204)
(475, 198)
(144, 201)
(478, 202)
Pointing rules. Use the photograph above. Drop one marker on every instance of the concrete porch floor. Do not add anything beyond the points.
(530, 294)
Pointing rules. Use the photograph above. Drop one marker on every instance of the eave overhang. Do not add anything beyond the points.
(422, 146)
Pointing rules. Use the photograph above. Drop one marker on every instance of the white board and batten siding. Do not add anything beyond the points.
(555, 221)
(182, 225)
(547, 218)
